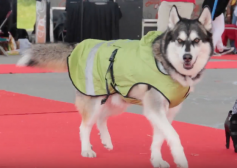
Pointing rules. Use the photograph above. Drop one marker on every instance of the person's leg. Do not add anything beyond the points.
(163, 16)
(232, 42)
(220, 45)
(234, 17)
(234, 109)
(218, 27)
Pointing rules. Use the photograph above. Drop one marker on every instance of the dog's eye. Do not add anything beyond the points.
(180, 41)
(196, 40)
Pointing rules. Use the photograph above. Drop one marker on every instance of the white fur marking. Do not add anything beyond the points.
(183, 35)
(189, 81)
(161, 68)
(193, 35)
(24, 60)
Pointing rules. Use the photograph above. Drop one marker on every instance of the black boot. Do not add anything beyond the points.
(231, 130)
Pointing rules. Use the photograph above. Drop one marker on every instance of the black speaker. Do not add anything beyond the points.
(70, 3)
(74, 9)
(14, 11)
(48, 21)
(5, 7)
(131, 21)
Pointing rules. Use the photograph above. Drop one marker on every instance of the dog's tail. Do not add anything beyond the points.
(47, 56)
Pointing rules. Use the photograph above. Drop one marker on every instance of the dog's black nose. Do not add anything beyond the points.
(187, 57)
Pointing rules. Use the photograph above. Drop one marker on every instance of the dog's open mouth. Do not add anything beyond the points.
(188, 65)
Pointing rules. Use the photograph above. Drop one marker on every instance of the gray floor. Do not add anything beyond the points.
(208, 105)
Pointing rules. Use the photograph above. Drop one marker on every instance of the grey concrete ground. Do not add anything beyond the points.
(208, 105)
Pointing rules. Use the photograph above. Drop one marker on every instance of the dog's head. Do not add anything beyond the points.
(188, 43)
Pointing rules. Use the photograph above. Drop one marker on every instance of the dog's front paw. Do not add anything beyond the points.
(182, 163)
(159, 163)
(88, 153)
(106, 141)
(179, 157)
(108, 146)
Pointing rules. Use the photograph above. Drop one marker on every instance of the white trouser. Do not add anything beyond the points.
(218, 27)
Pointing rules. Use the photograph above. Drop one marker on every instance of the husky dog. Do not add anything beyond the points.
(182, 51)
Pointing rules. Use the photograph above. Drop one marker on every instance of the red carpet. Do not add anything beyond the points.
(52, 140)
(222, 65)
(15, 103)
(13, 69)
(226, 57)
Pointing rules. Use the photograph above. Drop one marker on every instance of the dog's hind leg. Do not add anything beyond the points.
(156, 108)
(103, 129)
(114, 106)
(89, 108)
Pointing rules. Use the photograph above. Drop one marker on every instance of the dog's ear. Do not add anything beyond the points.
(205, 18)
(174, 17)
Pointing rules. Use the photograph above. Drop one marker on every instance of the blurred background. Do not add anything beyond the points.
(41, 21)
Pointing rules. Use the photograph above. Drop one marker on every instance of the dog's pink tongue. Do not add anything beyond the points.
(187, 65)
